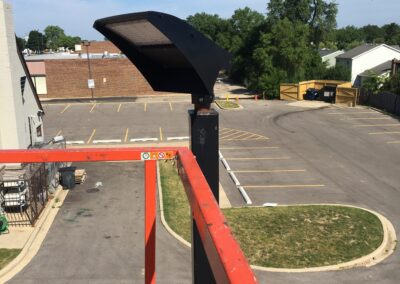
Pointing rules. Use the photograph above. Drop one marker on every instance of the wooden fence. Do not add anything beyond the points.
(345, 94)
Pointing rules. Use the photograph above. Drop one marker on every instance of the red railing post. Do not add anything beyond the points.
(150, 222)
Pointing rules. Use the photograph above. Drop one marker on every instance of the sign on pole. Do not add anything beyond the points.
(90, 83)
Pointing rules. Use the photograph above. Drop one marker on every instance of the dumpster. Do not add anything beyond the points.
(67, 177)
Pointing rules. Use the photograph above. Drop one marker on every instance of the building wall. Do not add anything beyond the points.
(372, 59)
(330, 59)
(40, 84)
(114, 77)
(17, 110)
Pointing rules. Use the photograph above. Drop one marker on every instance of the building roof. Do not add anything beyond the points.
(378, 70)
(352, 53)
(36, 67)
(49, 56)
(100, 47)
(325, 52)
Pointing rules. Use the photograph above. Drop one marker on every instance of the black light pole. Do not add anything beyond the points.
(174, 57)
(87, 44)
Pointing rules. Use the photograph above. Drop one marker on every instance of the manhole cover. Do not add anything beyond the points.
(93, 190)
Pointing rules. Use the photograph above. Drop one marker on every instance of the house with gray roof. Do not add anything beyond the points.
(366, 57)
(329, 56)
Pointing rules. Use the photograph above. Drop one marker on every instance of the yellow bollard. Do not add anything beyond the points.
(227, 97)
(237, 99)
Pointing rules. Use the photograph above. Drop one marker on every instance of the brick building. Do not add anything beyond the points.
(66, 75)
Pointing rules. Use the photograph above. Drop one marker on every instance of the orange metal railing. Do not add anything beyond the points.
(226, 259)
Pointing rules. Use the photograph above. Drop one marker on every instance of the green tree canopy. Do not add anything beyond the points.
(36, 41)
(53, 34)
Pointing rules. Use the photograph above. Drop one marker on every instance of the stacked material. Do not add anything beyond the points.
(80, 176)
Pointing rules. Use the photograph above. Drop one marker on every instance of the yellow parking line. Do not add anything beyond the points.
(145, 107)
(393, 142)
(226, 132)
(170, 106)
(126, 135)
(91, 136)
(367, 118)
(270, 171)
(372, 125)
(161, 134)
(240, 135)
(284, 186)
(384, 132)
(67, 107)
(251, 159)
(119, 107)
(230, 135)
(248, 148)
(91, 110)
(59, 133)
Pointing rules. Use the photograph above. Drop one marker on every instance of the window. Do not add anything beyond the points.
(39, 131)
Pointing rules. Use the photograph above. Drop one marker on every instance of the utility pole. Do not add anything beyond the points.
(91, 87)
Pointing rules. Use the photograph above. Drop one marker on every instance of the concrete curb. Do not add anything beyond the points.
(35, 240)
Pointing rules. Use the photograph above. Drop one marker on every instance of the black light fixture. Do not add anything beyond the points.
(170, 53)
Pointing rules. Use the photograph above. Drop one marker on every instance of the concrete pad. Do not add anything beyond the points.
(16, 238)
(310, 104)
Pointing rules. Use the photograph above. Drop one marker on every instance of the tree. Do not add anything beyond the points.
(319, 15)
(36, 41)
(69, 42)
(21, 43)
(348, 37)
(392, 33)
(338, 72)
(53, 34)
(371, 33)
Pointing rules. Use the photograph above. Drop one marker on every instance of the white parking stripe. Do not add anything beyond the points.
(75, 142)
(178, 138)
(107, 141)
(143, 139)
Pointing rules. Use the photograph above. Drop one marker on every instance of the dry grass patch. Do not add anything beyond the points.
(227, 104)
(7, 255)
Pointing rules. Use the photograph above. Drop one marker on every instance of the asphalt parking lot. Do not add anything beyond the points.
(277, 152)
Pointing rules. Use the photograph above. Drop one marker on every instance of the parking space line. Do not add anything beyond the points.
(270, 171)
(372, 125)
(393, 142)
(367, 118)
(240, 136)
(91, 110)
(284, 186)
(143, 139)
(248, 148)
(161, 134)
(251, 159)
(59, 132)
(75, 142)
(119, 107)
(178, 138)
(67, 107)
(384, 132)
(145, 107)
(126, 135)
(170, 106)
(107, 141)
(91, 136)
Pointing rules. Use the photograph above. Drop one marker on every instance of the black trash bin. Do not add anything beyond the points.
(67, 178)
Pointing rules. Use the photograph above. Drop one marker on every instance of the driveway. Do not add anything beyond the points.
(98, 236)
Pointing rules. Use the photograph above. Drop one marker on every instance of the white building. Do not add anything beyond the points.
(21, 124)
(329, 56)
(366, 57)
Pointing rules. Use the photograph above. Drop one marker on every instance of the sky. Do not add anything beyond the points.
(76, 17)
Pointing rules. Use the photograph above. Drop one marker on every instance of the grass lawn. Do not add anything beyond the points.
(7, 255)
(283, 237)
(226, 104)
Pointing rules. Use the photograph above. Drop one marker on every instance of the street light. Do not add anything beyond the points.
(175, 57)
(91, 80)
